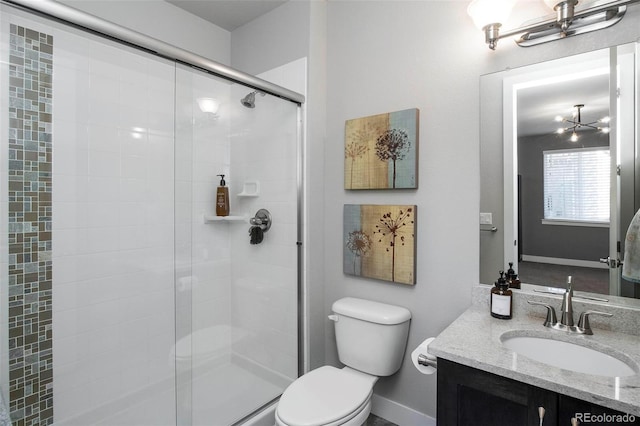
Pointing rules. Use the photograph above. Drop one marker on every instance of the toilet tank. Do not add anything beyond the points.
(371, 336)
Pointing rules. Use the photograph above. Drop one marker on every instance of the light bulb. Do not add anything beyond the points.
(208, 105)
(574, 137)
(487, 12)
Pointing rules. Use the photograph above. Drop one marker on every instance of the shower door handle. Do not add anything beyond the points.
(613, 263)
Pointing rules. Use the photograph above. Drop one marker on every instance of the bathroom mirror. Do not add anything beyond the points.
(558, 204)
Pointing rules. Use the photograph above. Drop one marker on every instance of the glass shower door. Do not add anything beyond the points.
(237, 302)
(87, 204)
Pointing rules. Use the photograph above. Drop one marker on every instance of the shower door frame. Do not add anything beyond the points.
(78, 19)
(99, 26)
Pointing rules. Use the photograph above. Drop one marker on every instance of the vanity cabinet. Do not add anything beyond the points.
(568, 407)
(472, 397)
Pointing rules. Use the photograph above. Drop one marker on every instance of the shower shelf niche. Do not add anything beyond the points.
(208, 218)
(250, 188)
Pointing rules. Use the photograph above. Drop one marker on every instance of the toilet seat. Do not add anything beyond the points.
(358, 418)
(326, 396)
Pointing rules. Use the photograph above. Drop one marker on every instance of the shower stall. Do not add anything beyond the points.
(124, 299)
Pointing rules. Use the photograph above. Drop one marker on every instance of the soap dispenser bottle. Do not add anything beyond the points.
(501, 299)
(512, 277)
(222, 198)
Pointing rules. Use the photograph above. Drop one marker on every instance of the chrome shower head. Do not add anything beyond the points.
(250, 100)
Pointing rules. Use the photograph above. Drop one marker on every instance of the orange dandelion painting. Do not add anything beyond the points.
(379, 242)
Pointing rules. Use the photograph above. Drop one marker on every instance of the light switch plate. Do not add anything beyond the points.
(486, 219)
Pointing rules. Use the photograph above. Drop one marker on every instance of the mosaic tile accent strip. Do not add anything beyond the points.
(30, 265)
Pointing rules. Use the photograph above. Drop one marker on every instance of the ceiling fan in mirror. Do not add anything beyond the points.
(576, 124)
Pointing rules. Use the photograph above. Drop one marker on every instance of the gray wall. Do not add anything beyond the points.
(564, 242)
(276, 38)
(168, 23)
(386, 56)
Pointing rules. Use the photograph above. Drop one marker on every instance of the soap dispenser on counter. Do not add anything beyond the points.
(222, 198)
(501, 299)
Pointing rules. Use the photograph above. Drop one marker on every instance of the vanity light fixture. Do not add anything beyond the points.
(490, 15)
(576, 124)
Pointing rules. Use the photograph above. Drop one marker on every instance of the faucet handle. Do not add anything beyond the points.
(583, 322)
(551, 313)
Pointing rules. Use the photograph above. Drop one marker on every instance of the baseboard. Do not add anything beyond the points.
(398, 413)
(567, 262)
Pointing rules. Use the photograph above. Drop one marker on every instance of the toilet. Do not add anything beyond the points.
(371, 338)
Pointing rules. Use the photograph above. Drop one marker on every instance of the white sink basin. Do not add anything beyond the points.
(568, 356)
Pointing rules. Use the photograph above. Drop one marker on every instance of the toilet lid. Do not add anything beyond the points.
(324, 396)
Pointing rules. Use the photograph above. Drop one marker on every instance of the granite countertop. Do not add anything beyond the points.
(473, 339)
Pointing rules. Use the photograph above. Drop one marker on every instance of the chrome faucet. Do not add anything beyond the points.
(567, 305)
(566, 320)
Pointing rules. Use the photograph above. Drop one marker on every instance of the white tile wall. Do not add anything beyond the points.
(113, 194)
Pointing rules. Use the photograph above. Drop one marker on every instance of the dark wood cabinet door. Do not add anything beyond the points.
(471, 397)
(591, 414)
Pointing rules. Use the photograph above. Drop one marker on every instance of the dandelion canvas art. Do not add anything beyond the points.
(380, 243)
(381, 151)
